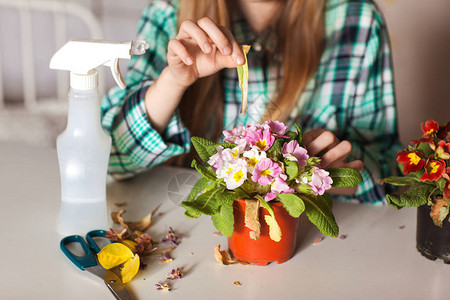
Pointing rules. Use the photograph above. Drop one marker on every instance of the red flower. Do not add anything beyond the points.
(426, 138)
(411, 160)
(430, 127)
(433, 170)
(444, 130)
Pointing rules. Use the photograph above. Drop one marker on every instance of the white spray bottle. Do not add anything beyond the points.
(83, 148)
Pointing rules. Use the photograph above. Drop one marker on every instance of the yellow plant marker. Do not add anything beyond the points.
(243, 80)
(274, 228)
(113, 255)
(130, 269)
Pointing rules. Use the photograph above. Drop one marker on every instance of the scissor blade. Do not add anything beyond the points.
(115, 285)
(97, 270)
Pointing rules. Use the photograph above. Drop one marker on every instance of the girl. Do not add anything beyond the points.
(324, 64)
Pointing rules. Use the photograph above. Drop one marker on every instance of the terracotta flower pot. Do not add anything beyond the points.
(263, 250)
(433, 242)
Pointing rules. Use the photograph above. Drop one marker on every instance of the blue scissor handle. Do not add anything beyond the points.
(85, 261)
(90, 239)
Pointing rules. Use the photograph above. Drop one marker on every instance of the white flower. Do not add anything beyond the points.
(234, 174)
(253, 156)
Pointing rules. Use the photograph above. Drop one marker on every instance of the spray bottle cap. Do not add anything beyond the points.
(82, 57)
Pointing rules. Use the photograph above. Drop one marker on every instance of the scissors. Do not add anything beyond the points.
(88, 262)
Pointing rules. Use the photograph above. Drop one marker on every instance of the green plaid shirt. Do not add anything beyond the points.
(351, 94)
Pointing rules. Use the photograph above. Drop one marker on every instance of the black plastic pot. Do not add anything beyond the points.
(433, 241)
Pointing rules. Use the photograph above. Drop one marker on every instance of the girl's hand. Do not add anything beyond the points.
(202, 49)
(335, 152)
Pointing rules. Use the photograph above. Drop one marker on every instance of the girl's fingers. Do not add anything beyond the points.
(319, 141)
(178, 53)
(236, 54)
(336, 153)
(216, 35)
(190, 30)
(223, 39)
(358, 165)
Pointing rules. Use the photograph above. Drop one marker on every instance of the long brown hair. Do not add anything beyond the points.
(299, 30)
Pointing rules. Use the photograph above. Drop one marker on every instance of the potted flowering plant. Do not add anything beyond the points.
(426, 167)
(257, 183)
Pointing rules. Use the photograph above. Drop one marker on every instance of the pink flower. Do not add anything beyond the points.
(294, 152)
(266, 171)
(216, 161)
(278, 186)
(320, 181)
(261, 138)
(277, 128)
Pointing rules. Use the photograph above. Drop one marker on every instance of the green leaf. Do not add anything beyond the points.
(344, 177)
(415, 196)
(228, 145)
(198, 187)
(312, 161)
(292, 136)
(206, 203)
(204, 171)
(318, 210)
(305, 189)
(276, 147)
(425, 148)
(223, 220)
(291, 169)
(292, 203)
(299, 134)
(204, 148)
(400, 180)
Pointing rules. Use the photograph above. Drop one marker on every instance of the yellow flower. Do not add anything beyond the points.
(115, 254)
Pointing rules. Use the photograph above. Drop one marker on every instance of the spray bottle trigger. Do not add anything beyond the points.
(115, 70)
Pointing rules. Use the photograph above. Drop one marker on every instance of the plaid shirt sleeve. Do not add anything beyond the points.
(353, 92)
(136, 146)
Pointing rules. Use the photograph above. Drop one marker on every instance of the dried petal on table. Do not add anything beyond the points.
(144, 223)
(141, 225)
(144, 242)
(117, 218)
(114, 236)
(165, 257)
(175, 274)
(156, 251)
(163, 286)
(172, 238)
(223, 257)
(401, 227)
(237, 283)
(342, 236)
(318, 240)
(218, 233)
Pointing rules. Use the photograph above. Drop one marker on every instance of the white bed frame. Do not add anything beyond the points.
(61, 10)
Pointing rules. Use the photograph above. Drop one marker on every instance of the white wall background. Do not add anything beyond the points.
(420, 35)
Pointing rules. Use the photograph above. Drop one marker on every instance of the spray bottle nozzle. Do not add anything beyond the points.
(81, 56)
(139, 47)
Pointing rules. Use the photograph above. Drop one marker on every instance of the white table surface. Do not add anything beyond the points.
(377, 260)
